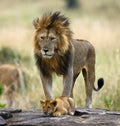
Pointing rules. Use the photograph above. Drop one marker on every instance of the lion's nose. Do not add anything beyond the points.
(45, 50)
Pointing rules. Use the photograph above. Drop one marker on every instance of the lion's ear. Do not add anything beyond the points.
(42, 102)
(54, 102)
(36, 23)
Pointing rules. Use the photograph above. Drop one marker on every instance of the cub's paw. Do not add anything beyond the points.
(57, 114)
(71, 113)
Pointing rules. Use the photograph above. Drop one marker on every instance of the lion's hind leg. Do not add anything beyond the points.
(11, 94)
(89, 78)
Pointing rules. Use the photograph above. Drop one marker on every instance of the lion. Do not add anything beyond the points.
(59, 106)
(56, 51)
(11, 78)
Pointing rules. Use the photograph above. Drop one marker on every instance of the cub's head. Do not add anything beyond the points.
(48, 106)
(52, 35)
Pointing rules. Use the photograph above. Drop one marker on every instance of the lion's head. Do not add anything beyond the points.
(52, 35)
(48, 106)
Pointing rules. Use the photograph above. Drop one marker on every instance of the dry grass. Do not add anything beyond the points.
(101, 32)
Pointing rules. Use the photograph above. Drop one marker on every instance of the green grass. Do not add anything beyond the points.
(1, 92)
(96, 21)
(1, 89)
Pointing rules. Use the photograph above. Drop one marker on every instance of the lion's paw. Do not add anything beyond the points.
(57, 114)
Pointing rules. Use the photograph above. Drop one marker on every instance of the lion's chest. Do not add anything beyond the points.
(56, 66)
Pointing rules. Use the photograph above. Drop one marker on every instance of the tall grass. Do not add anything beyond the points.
(90, 23)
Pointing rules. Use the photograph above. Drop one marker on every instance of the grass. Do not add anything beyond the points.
(98, 23)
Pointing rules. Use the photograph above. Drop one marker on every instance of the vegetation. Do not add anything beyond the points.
(1, 89)
(98, 23)
(2, 105)
(9, 55)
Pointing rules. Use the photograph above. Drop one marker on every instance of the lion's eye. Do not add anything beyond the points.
(42, 37)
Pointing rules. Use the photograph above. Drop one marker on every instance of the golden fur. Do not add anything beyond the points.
(59, 106)
(56, 51)
(11, 79)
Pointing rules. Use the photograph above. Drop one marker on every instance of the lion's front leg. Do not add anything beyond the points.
(47, 86)
(67, 82)
(60, 112)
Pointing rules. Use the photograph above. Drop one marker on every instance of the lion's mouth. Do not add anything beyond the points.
(47, 56)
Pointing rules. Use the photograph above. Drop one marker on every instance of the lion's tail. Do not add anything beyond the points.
(21, 81)
(100, 84)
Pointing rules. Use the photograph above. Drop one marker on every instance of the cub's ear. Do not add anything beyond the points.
(36, 23)
(42, 102)
(54, 102)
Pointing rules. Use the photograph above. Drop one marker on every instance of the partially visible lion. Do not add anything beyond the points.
(11, 78)
(56, 51)
(59, 106)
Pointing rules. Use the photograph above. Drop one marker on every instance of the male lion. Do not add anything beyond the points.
(59, 106)
(11, 78)
(56, 51)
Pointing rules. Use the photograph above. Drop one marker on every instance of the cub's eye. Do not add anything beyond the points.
(49, 107)
(52, 38)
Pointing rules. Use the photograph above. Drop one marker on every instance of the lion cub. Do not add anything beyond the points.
(59, 106)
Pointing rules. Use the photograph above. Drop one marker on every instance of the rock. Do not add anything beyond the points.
(82, 117)
(2, 122)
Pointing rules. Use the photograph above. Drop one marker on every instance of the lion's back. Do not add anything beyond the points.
(81, 50)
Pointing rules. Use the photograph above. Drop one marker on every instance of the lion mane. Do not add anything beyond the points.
(59, 62)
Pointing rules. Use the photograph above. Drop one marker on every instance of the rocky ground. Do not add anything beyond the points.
(82, 117)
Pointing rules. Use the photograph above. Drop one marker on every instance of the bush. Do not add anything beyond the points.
(2, 105)
(9, 55)
(1, 89)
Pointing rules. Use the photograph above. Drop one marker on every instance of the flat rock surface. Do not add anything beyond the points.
(82, 117)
